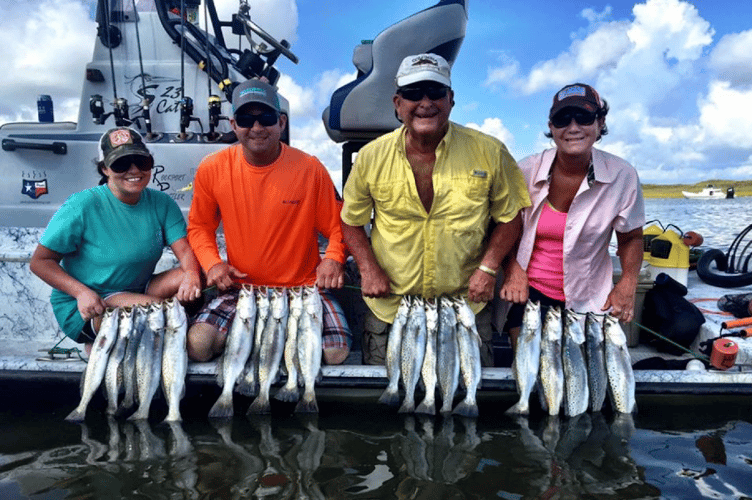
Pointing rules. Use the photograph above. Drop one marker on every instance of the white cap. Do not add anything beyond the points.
(423, 67)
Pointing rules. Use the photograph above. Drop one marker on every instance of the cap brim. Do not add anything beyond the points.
(126, 150)
(423, 76)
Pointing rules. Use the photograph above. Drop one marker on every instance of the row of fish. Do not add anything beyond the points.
(573, 366)
(436, 341)
(136, 348)
(271, 324)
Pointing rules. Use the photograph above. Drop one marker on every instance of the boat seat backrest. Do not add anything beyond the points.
(363, 109)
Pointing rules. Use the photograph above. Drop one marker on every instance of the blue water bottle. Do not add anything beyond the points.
(44, 109)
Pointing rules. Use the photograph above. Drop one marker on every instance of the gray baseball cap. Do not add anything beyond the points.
(254, 90)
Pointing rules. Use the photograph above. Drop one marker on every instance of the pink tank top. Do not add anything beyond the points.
(545, 272)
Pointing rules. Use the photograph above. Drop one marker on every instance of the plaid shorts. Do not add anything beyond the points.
(220, 312)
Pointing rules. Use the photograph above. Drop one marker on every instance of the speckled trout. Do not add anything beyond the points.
(576, 393)
(621, 381)
(393, 350)
(527, 356)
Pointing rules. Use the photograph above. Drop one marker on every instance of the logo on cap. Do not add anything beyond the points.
(120, 137)
(576, 91)
(425, 60)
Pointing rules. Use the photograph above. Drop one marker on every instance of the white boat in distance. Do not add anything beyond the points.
(710, 192)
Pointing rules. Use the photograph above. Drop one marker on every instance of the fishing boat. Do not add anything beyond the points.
(157, 70)
(710, 192)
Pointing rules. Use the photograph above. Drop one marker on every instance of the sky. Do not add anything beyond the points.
(677, 75)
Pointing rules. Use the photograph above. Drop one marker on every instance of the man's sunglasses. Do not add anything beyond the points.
(417, 93)
(266, 119)
(564, 118)
(122, 165)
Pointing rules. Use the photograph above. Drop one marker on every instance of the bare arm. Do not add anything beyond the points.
(503, 239)
(374, 282)
(190, 285)
(621, 300)
(45, 263)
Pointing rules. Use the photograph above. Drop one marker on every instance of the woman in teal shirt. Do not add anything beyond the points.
(101, 247)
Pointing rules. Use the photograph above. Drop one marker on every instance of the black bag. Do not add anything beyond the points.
(667, 312)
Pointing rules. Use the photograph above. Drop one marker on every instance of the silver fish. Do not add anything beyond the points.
(527, 357)
(428, 371)
(576, 394)
(140, 314)
(97, 364)
(551, 369)
(248, 384)
(412, 352)
(149, 360)
(237, 349)
(114, 374)
(289, 392)
(309, 347)
(621, 381)
(272, 349)
(447, 354)
(174, 358)
(393, 348)
(597, 376)
(469, 342)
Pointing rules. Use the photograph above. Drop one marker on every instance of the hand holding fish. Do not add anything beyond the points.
(90, 304)
(621, 301)
(190, 287)
(374, 282)
(330, 274)
(481, 286)
(515, 288)
(223, 275)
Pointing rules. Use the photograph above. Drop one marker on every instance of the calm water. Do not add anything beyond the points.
(675, 447)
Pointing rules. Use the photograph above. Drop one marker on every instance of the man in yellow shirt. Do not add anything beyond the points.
(445, 201)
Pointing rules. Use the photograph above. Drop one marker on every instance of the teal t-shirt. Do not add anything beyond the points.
(108, 245)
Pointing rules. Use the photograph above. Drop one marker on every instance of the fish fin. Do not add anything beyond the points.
(287, 395)
(407, 407)
(304, 406)
(389, 398)
(519, 408)
(426, 408)
(222, 408)
(76, 416)
(466, 410)
(260, 406)
(246, 389)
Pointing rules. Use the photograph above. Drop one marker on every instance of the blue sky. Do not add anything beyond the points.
(677, 74)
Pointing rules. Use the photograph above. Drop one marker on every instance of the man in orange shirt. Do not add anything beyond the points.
(273, 200)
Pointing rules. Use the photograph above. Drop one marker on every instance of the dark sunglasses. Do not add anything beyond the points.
(266, 119)
(564, 118)
(122, 165)
(417, 93)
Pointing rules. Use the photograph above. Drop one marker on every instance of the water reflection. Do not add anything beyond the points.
(590, 456)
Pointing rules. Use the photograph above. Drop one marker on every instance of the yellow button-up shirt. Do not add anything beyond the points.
(435, 253)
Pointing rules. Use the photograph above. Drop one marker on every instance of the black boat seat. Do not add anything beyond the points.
(362, 109)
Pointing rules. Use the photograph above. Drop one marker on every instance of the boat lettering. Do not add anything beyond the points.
(163, 186)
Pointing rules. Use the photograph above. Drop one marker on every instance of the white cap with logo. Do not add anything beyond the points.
(423, 67)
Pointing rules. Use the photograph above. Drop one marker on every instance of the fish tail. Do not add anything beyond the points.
(307, 406)
(222, 408)
(466, 409)
(76, 415)
(287, 394)
(260, 406)
(407, 407)
(519, 408)
(426, 408)
(389, 398)
(246, 388)
(172, 416)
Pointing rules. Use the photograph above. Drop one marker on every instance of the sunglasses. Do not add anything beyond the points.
(266, 119)
(417, 93)
(564, 118)
(122, 165)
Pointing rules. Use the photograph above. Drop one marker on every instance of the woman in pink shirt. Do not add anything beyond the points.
(579, 195)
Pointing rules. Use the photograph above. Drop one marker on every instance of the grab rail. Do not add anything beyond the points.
(59, 148)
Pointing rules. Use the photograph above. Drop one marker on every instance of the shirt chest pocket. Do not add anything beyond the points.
(468, 194)
(396, 201)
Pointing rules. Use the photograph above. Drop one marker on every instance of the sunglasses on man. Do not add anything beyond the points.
(564, 118)
(433, 92)
(266, 119)
(122, 165)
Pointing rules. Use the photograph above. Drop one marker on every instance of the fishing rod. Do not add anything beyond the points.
(146, 99)
(701, 357)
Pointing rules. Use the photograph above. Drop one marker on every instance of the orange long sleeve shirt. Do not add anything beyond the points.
(271, 216)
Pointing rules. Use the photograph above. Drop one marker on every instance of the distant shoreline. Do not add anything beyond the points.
(741, 188)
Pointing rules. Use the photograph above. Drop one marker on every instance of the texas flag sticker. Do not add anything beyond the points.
(34, 189)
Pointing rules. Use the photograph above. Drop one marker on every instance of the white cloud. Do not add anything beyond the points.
(724, 115)
(732, 58)
(494, 127)
(65, 31)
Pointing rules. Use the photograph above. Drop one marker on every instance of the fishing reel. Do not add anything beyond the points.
(215, 116)
(119, 111)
